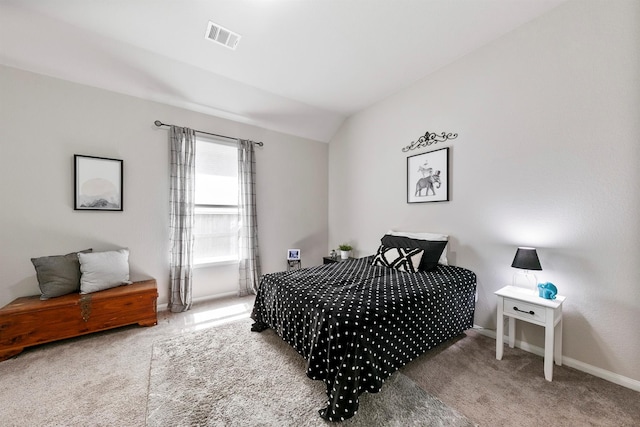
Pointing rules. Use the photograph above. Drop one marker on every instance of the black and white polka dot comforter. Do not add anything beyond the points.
(356, 324)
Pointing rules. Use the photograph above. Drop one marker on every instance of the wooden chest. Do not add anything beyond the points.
(30, 321)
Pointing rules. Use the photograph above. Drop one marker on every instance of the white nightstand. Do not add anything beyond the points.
(523, 304)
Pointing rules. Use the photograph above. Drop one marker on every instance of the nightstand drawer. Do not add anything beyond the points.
(524, 310)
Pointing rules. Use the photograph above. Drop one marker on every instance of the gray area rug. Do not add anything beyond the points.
(230, 376)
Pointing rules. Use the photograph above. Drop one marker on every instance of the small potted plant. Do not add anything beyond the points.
(344, 250)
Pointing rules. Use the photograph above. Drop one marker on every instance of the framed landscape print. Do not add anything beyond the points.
(97, 183)
(428, 177)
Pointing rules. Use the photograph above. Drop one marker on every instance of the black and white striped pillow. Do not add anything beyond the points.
(403, 259)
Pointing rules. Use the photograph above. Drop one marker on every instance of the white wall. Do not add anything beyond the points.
(45, 121)
(548, 118)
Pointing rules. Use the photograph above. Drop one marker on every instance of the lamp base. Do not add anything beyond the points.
(526, 279)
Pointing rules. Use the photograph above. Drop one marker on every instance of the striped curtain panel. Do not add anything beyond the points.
(182, 194)
(249, 258)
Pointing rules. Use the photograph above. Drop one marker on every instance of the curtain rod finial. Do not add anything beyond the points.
(157, 123)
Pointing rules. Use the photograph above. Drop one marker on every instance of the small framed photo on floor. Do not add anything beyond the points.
(428, 177)
(97, 183)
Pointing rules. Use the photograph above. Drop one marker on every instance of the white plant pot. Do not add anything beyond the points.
(344, 254)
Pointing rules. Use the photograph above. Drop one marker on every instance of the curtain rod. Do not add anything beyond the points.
(159, 123)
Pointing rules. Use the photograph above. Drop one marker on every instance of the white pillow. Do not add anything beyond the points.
(436, 237)
(103, 270)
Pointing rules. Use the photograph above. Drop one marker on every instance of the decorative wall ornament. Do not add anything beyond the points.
(429, 138)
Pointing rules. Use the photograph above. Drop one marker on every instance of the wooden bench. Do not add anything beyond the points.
(29, 321)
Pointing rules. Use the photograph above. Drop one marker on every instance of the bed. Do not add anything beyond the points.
(356, 323)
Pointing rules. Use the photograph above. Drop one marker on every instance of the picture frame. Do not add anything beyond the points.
(428, 177)
(98, 184)
(293, 254)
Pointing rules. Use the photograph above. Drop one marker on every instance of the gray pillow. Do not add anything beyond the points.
(58, 274)
(103, 270)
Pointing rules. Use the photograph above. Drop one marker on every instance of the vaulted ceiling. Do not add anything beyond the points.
(301, 67)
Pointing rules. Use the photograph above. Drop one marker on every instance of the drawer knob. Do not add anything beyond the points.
(531, 312)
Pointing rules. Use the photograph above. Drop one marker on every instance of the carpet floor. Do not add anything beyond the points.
(230, 376)
(102, 379)
(465, 374)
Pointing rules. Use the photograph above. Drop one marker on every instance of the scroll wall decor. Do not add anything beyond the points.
(429, 138)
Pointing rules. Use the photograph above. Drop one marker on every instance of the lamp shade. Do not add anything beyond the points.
(527, 259)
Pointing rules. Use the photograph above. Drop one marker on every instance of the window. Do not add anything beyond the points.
(216, 202)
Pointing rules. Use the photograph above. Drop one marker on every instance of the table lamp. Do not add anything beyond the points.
(526, 259)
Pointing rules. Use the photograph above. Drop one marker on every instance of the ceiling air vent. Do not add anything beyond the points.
(219, 34)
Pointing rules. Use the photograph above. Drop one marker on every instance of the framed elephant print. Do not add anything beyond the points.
(428, 177)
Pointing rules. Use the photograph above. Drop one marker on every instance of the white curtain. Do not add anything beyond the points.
(181, 199)
(249, 258)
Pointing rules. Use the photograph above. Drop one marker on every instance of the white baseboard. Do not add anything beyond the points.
(570, 362)
(165, 306)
